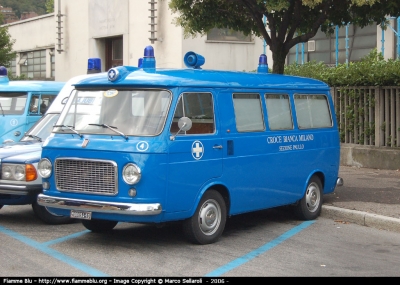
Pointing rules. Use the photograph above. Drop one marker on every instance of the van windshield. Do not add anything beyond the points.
(42, 129)
(12, 103)
(130, 112)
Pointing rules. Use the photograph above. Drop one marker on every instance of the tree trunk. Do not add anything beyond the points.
(278, 57)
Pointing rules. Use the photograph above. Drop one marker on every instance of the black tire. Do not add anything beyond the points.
(309, 207)
(1, 206)
(99, 226)
(48, 217)
(208, 221)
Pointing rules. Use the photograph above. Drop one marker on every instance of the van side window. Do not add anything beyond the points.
(279, 113)
(248, 112)
(199, 108)
(34, 105)
(312, 111)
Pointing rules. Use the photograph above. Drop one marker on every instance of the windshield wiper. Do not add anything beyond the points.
(34, 137)
(68, 127)
(111, 128)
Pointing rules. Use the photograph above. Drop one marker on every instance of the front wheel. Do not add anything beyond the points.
(48, 217)
(99, 226)
(309, 207)
(208, 221)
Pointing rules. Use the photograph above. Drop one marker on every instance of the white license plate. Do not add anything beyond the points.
(81, 215)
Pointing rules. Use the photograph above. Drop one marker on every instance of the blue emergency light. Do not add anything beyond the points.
(3, 75)
(94, 65)
(262, 64)
(149, 61)
(3, 71)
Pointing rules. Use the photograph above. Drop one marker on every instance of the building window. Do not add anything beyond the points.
(360, 42)
(53, 64)
(227, 35)
(33, 64)
(13, 70)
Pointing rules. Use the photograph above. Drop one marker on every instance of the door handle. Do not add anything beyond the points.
(217, 146)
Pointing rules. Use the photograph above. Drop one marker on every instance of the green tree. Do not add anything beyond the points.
(6, 47)
(288, 22)
(49, 6)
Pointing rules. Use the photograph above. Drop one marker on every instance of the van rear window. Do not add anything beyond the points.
(312, 111)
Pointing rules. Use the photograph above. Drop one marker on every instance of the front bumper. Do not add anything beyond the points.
(100, 207)
(14, 189)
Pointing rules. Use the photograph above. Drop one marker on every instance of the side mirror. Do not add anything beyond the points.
(184, 125)
(64, 100)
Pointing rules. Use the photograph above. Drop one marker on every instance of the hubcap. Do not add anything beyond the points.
(209, 217)
(313, 197)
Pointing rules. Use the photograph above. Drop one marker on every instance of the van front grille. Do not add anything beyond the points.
(86, 176)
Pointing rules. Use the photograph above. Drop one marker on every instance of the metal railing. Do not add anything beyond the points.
(368, 115)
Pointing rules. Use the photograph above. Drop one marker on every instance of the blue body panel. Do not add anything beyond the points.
(255, 174)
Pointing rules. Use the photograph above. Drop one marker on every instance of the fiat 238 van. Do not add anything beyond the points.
(149, 145)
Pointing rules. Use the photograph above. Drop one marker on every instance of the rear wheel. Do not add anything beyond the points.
(208, 222)
(309, 207)
(48, 217)
(99, 226)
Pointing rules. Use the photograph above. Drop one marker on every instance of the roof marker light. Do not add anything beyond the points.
(94, 65)
(262, 64)
(194, 60)
(140, 62)
(149, 61)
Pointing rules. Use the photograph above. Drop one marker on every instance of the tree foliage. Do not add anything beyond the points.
(371, 70)
(49, 6)
(20, 6)
(6, 47)
(288, 22)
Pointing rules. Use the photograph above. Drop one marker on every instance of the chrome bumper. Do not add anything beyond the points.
(99, 207)
(339, 181)
(13, 189)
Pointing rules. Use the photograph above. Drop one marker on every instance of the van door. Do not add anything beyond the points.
(195, 156)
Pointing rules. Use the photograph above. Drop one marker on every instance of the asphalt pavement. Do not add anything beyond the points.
(368, 197)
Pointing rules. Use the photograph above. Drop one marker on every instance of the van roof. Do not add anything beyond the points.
(138, 77)
(30, 86)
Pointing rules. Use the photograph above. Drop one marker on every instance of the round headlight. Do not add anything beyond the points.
(19, 173)
(6, 172)
(44, 168)
(131, 173)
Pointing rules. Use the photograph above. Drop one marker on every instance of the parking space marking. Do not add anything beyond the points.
(53, 253)
(62, 239)
(253, 254)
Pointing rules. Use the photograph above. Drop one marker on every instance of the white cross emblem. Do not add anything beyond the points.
(112, 74)
(197, 150)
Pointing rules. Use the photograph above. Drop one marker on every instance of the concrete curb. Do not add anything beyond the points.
(361, 218)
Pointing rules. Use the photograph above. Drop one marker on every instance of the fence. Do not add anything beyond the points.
(368, 115)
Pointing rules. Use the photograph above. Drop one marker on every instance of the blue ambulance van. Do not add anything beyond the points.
(22, 104)
(150, 145)
(19, 182)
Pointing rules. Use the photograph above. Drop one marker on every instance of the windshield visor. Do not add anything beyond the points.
(130, 112)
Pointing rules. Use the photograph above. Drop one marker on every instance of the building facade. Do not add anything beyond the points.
(57, 46)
